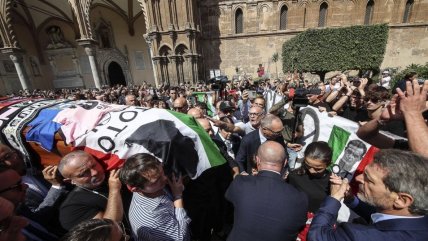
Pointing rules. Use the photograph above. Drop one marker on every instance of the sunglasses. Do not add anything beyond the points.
(18, 186)
(374, 100)
(276, 133)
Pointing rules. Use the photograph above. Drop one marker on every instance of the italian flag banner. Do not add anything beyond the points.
(350, 153)
(176, 139)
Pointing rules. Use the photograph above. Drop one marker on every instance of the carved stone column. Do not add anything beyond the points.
(81, 9)
(90, 51)
(195, 68)
(156, 70)
(149, 41)
(17, 60)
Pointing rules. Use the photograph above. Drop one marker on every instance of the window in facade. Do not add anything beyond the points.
(369, 12)
(239, 21)
(283, 18)
(323, 15)
(408, 11)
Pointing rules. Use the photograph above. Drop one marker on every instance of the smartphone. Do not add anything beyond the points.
(252, 94)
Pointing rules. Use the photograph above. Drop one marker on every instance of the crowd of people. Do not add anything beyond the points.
(263, 191)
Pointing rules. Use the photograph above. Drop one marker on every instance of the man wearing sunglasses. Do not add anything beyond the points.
(270, 129)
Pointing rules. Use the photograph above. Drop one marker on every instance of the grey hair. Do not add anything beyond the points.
(67, 158)
(268, 119)
(406, 173)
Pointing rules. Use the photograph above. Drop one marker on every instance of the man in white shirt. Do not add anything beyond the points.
(155, 212)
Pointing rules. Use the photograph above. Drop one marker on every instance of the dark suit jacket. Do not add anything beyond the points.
(401, 229)
(249, 145)
(266, 208)
(235, 140)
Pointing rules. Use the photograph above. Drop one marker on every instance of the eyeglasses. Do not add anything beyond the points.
(276, 133)
(19, 186)
(254, 114)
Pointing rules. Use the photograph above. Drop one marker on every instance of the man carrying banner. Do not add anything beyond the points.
(395, 184)
(93, 196)
(155, 213)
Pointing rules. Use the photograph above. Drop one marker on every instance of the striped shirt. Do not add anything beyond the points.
(157, 219)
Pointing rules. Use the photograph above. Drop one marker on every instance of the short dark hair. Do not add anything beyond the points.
(135, 166)
(410, 75)
(406, 173)
(226, 119)
(91, 229)
(359, 144)
(201, 105)
(378, 93)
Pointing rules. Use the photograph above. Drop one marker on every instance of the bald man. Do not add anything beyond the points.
(266, 207)
(195, 112)
(270, 129)
(180, 105)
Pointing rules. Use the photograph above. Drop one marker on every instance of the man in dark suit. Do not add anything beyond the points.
(230, 140)
(266, 207)
(270, 129)
(395, 184)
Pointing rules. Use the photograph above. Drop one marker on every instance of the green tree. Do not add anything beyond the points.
(275, 58)
(324, 50)
(421, 70)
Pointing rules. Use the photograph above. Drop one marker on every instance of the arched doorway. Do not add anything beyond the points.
(115, 74)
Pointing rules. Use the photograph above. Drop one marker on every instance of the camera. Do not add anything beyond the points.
(218, 82)
(300, 96)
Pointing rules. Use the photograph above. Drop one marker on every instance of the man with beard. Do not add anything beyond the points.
(93, 196)
(395, 185)
(270, 129)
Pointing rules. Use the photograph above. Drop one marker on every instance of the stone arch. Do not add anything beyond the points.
(180, 48)
(106, 56)
(182, 63)
(103, 33)
(166, 69)
(281, 6)
(323, 14)
(238, 21)
(165, 50)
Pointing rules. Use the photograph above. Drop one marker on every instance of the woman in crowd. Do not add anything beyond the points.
(312, 177)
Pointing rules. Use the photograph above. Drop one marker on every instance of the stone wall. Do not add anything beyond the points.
(223, 49)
